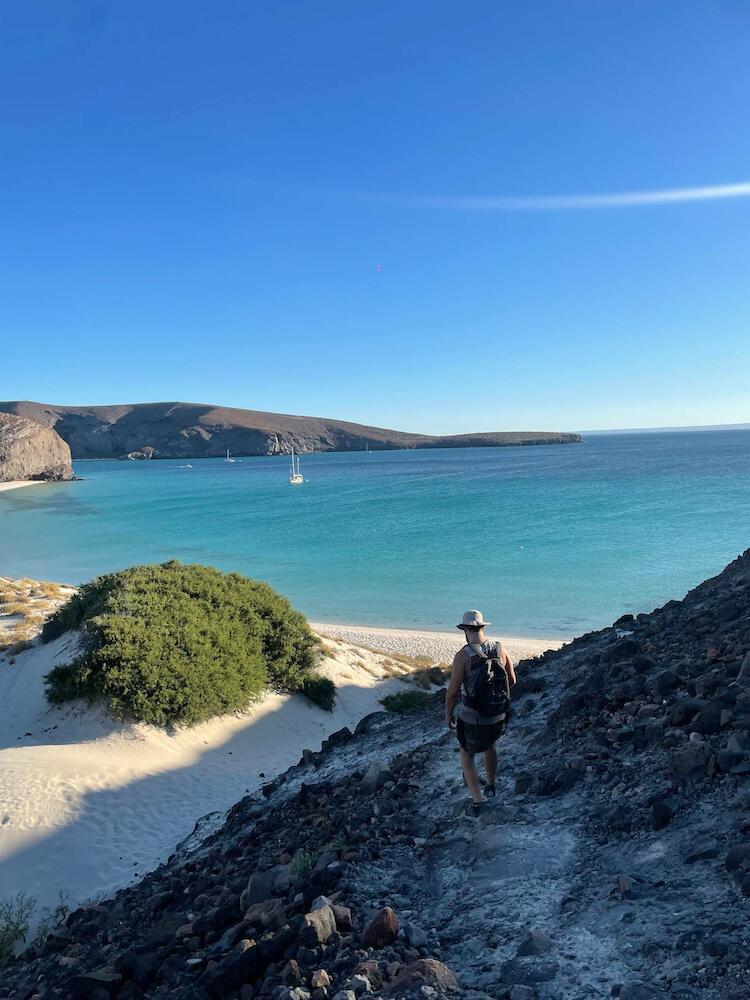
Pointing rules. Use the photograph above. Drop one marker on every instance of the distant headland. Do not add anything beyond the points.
(196, 430)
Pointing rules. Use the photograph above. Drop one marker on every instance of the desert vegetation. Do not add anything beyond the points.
(24, 607)
(405, 701)
(174, 643)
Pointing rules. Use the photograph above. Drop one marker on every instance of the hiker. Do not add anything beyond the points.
(479, 689)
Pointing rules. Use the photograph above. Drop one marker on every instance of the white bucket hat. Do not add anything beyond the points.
(473, 619)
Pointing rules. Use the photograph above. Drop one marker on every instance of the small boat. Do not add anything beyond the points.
(295, 476)
(229, 457)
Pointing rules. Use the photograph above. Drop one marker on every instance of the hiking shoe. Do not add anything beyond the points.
(490, 790)
(473, 809)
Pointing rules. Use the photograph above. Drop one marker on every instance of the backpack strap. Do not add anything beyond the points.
(498, 654)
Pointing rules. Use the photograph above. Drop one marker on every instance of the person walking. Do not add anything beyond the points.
(479, 691)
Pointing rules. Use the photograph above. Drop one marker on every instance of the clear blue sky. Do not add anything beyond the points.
(260, 204)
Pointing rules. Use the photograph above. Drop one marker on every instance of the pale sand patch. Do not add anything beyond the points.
(438, 646)
(88, 803)
(14, 484)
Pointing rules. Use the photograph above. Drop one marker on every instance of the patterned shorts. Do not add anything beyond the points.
(477, 739)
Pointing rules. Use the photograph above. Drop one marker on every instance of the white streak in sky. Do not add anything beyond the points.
(617, 199)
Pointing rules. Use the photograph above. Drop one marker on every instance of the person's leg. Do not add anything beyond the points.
(471, 775)
(490, 768)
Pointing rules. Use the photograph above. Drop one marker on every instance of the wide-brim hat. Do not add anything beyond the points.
(473, 619)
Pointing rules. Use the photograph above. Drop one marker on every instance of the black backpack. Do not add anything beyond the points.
(486, 683)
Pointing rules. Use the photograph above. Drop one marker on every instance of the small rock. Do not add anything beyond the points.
(415, 936)
(641, 991)
(703, 852)
(522, 993)
(737, 856)
(536, 942)
(359, 985)
(661, 815)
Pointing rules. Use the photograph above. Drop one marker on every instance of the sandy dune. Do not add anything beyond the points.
(88, 803)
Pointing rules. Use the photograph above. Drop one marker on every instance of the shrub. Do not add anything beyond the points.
(405, 701)
(174, 643)
(320, 690)
(301, 864)
(15, 914)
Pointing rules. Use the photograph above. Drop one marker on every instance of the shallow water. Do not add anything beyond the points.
(549, 540)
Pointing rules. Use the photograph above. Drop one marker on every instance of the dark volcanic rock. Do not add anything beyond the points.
(29, 450)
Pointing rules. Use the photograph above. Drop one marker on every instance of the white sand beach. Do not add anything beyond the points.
(440, 646)
(15, 484)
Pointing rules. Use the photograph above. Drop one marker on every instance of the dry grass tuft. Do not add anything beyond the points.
(24, 607)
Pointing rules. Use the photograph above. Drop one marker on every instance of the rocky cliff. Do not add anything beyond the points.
(192, 430)
(29, 450)
(614, 862)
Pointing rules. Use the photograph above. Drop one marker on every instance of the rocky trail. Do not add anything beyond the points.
(614, 861)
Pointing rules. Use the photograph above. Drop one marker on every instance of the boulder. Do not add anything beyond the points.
(641, 991)
(263, 884)
(382, 929)
(737, 856)
(376, 776)
(318, 926)
(689, 761)
(423, 972)
(241, 965)
(91, 983)
(267, 914)
(29, 450)
(661, 814)
(140, 967)
(528, 971)
(664, 683)
(536, 942)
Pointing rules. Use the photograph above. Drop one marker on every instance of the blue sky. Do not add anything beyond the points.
(265, 205)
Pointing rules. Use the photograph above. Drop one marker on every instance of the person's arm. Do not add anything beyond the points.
(508, 664)
(454, 688)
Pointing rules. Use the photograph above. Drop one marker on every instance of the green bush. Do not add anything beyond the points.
(320, 691)
(15, 914)
(405, 701)
(181, 643)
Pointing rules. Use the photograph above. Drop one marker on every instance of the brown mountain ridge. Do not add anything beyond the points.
(196, 430)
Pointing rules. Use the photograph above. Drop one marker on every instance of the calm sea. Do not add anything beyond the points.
(545, 540)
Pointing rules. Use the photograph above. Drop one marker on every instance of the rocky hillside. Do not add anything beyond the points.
(615, 860)
(29, 450)
(192, 430)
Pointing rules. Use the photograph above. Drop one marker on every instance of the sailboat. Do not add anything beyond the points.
(229, 457)
(295, 476)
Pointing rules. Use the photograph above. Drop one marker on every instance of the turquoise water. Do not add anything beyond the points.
(545, 540)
